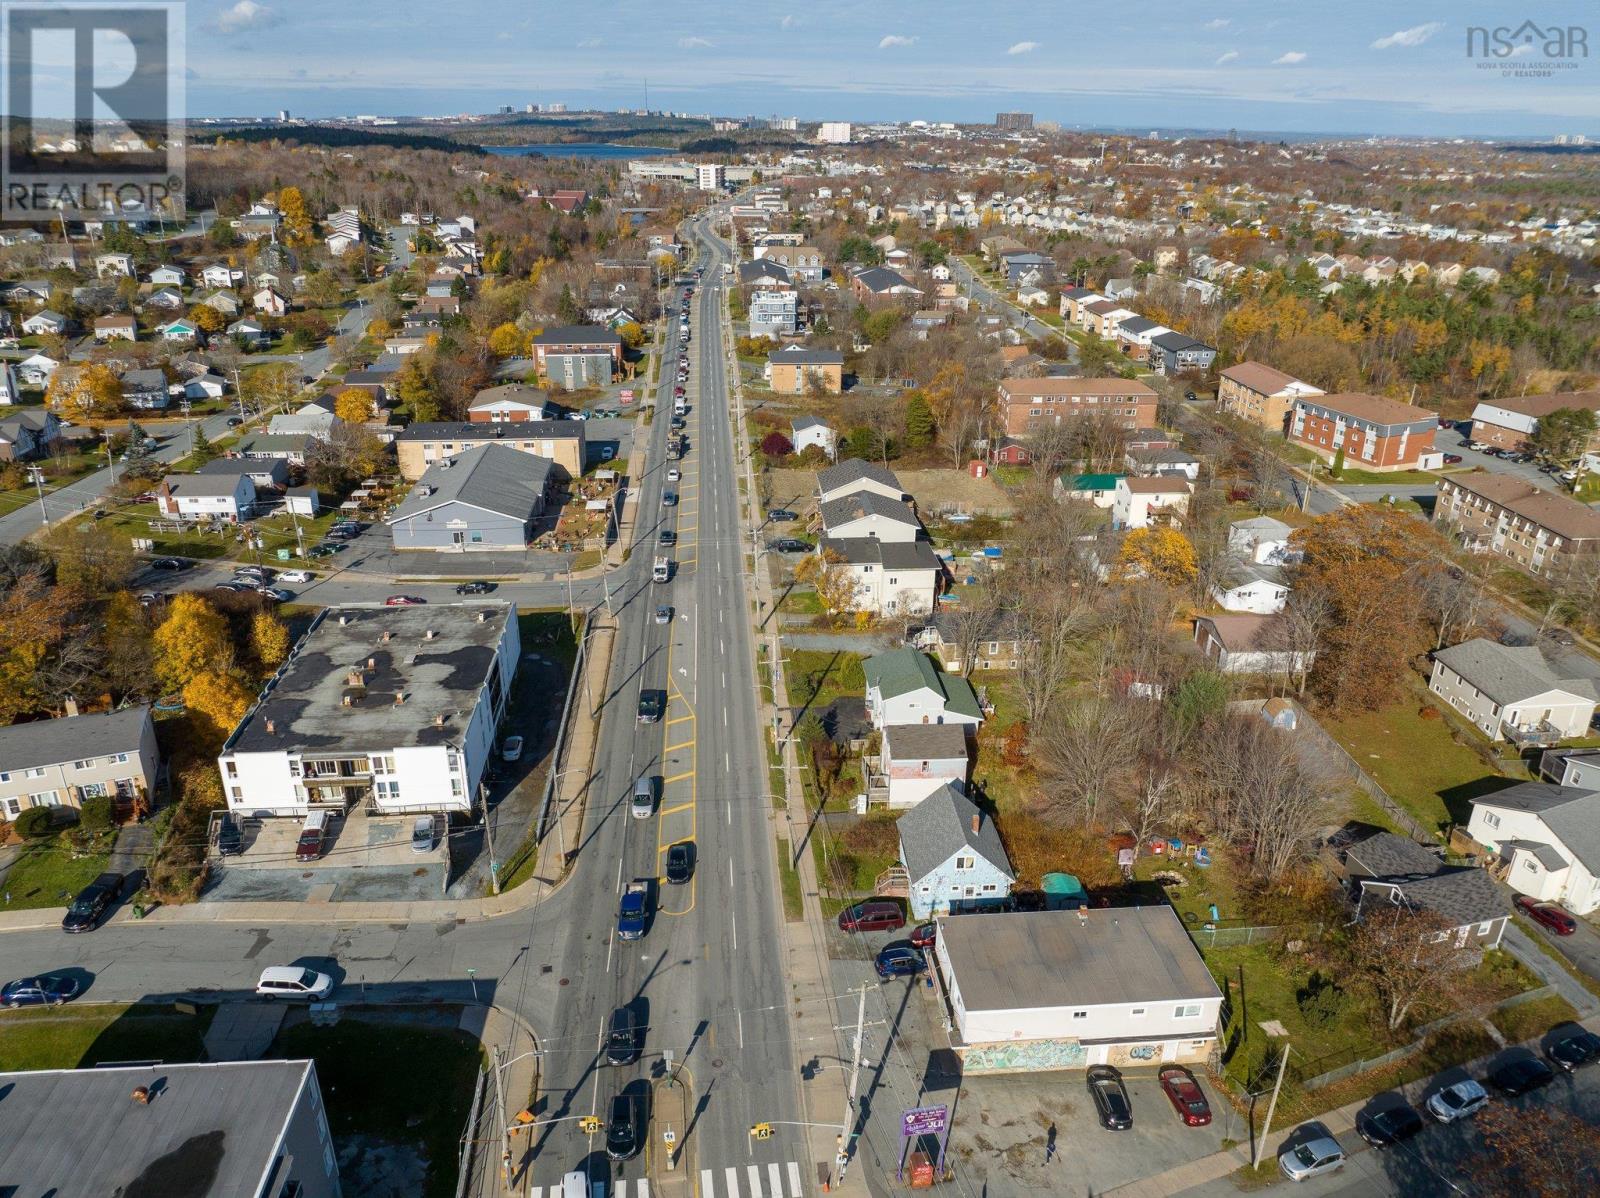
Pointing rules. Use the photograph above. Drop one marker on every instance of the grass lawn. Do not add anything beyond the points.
(1013, 476)
(1193, 900)
(48, 875)
(1416, 760)
(80, 1036)
(1530, 1019)
(1381, 478)
(793, 906)
(134, 521)
(816, 677)
(365, 1100)
(801, 602)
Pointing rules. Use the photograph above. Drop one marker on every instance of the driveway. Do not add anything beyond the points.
(1582, 948)
(367, 858)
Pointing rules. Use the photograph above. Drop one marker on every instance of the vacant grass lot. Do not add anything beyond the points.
(816, 677)
(48, 875)
(80, 1036)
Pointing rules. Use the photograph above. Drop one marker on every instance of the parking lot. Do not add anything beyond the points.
(366, 858)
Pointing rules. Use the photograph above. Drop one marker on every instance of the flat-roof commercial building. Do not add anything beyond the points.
(421, 445)
(1048, 990)
(238, 1129)
(391, 707)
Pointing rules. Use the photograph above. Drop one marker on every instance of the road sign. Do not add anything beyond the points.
(670, 1136)
(923, 1121)
(761, 1131)
(589, 1124)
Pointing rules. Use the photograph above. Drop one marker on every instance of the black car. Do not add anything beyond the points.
(1110, 1098)
(475, 588)
(1573, 1050)
(651, 705)
(789, 545)
(92, 902)
(230, 838)
(622, 1038)
(167, 563)
(235, 421)
(1389, 1126)
(622, 1132)
(776, 514)
(680, 862)
(666, 537)
(1521, 1076)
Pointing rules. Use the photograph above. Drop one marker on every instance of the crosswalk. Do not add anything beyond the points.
(772, 1180)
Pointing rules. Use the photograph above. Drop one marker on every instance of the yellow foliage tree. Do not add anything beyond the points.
(632, 334)
(1163, 554)
(353, 405)
(192, 640)
(296, 219)
(91, 391)
(271, 639)
(508, 341)
(216, 701)
(207, 319)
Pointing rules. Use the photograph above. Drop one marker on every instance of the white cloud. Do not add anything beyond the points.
(591, 43)
(790, 21)
(1218, 23)
(1228, 56)
(894, 39)
(245, 15)
(693, 43)
(1289, 59)
(1023, 48)
(1414, 36)
(1522, 50)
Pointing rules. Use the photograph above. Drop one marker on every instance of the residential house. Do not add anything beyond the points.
(1103, 317)
(116, 328)
(207, 497)
(35, 370)
(1168, 463)
(266, 475)
(997, 644)
(224, 302)
(854, 475)
(489, 497)
(270, 302)
(315, 419)
(806, 432)
(418, 446)
(204, 386)
(577, 355)
(61, 762)
(1029, 405)
(219, 275)
(905, 687)
(393, 707)
(916, 760)
(1578, 768)
(1010, 451)
(167, 299)
(1177, 353)
(146, 390)
(1120, 289)
(27, 434)
(1135, 334)
(1098, 489)
(881, 283)
(1503, 515)
(1249, 644)
(1511, 423)
(1251, 587)
(1025, 268)
(250, 333)
(1263, 539)
(1140, 502)
(889, 578)
(868, 514)
(25, 291)
(1260, 394)
(952, 856)
(179, 331)
(1073, 301)
(1510, 692)
(804, 262)
(168, 276)
(774, 314)
(510, 402)
(1546, 839)
(45, 323)
(113, 266)
(1053, 990)
(10, 387)
(291, 448)
(766, 275)
(1374, 433)
(795, 370)
(1385, 869)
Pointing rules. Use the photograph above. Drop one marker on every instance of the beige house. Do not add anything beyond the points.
(60, 763)
(421, 445)
(1256, 392)
(791, 371)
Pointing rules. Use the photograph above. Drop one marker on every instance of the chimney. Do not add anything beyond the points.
(354, 678)
(272, 727)
(344, 618)
(428, 635)
(386, 635)
(72, 707)
(372, 663)
(438, 720)
(399, 698)
(976, 820)
(483, 617)
(1083, 918)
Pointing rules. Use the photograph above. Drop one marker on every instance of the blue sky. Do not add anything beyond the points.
(1354, 66)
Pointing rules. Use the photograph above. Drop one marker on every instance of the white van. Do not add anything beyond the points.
(644, 797)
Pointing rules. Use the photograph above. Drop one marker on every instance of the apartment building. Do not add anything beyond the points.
(1258, 393)
(1030, 405)
(60, 763)
(418, 446)
(1503, 515)
(1509, 423)
(1375, 433)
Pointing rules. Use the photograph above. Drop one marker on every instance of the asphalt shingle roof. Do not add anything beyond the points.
(867, 503)
(1508, 673)
(854, 470)
(74, 738)
(495, 478)
(940, 826)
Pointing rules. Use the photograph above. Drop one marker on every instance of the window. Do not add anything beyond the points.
(1491, 819)
(383, 765)
(1483, 928)
(83, 765)
(1531, 864)
(237, 793)
(45, 798)
(119, 758)
(294, 767)
(965, 862)
(1137, 1013)
(1189, 1010)
(93, 790)
(36, 772)
(386, 790)
(233, 768)
(1080, 1014)
(455, 787)
(990, 888)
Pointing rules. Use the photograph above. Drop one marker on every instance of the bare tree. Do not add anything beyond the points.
(1082, 751)
(1457, 599)
(1051, 625)
(1298, 633)
(1402, 955)
(973, 622)
(1259, 790)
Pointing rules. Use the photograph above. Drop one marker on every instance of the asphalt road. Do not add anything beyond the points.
(986, 297)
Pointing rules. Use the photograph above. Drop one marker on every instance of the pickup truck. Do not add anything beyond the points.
(634, 910)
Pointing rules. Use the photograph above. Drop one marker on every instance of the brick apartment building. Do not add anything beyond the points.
(1028, 405)
(1258, 393)
(1503, 515)
(1508, 423)
(1375, 433)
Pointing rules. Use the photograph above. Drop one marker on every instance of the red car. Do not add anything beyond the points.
(923, 935)
(879, 915)
(1178, 1084)
(1548, 914)
(402, 601)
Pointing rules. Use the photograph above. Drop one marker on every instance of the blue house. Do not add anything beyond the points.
(953, 857)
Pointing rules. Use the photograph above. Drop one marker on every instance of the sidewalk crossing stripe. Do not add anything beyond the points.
(644, 1188)
(754, 1173)
(705, 1183)
(794, 1180)
(733, 1183)
(774, 1180)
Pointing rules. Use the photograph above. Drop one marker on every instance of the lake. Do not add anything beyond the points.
(580, 150)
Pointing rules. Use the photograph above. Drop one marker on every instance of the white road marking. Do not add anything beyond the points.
(730, 872)
(754, 1173)
(794, 1180)
(644, 1187)
(705, 1183)
(733, 922)
(733, 1182)
(774, 1181)
(609, 946)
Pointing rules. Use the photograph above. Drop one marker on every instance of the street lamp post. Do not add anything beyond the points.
(36, 473)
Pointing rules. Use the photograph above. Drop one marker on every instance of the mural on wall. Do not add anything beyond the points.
(1024, 1055)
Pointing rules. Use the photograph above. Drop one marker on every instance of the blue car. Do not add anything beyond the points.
(899, 961)
(48, 991)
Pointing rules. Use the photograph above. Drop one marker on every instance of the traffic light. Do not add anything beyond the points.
(761, 1131)
(589, 1124)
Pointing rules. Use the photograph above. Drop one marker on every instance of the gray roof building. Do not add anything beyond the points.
(491, 477)
(73, 738)
(854, 470)
(891, 555)
(1572, 815)
(795, 355)
(867, 503)
(943, 824)
(1508, 673)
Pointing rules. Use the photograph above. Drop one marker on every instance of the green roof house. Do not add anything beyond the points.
(905, 687)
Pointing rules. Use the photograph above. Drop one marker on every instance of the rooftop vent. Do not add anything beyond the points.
(483, 616)
(372, 663)
(438, 720)
(386, 635)
(349, 700)
(272, 727)
(399, 698)
(1083, 918)
(428, 635)
(354, 678)
(344, 618)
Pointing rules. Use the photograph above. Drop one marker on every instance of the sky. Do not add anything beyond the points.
(1297, 66)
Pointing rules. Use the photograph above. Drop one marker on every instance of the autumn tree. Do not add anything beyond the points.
(192, 640)
(1160, 553)
(632, 334)
(124, 639)
(1402, 956)
(216, 702)
(508, 341)
(207, 319)
(87, 392)
(47, 646)
(296, 217)
(1082, 750)
(269, 637)
(1535, 1149)
(830, 575)
(353, 405)
(268, 387)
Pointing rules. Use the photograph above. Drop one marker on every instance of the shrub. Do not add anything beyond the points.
(1320, 1001)
(36, 822)
(873, 836)
(96, 814)
(776, 445)
(1428, 712)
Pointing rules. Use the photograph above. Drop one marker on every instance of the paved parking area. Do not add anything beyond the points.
(367, 858)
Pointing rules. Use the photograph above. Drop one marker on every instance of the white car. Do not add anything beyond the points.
(1459, 1101)
(293, 981)
(296, 576)
(1311, 1159)
(511, 749)
(674, 475)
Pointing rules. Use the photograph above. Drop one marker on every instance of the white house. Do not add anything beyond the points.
(1548, 837)
(206, 496)
(1252, 587)
(868, 514)
(1260, 539)
(168, 276)
(1139, 501)
(113, 266)
(403, 719)
(10, 389)
(917, 759)
(35, 370)
(1510, 692)
(44, 322)
(205, 386)
(905, 687)
(889, 577)
(270, 302)
(220, 276)
(1052, 990)
(806, 431)
(853, 475)
(1246, 643)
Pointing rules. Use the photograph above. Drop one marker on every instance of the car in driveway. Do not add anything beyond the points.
(276, 594)
(1521, 1076)
(475, 588)
(1185, 1094)
(1547, 914)
(898, 961)
(92, 902)
(924, 935)
(171, 564)
(624, 1129)
(680, 862)
(779, 514)
(877, 915)
(1110, 1097)
(297, 576)
(789, 545)
(651, 705)
(1573, 1048)
(423, 834)
(511, 748)
(1311, 1158)
(403, 601)
(1391, 1125)
(50, 990)
(293, 981)
(230, 837)
(235, 587)
(1461, 1100)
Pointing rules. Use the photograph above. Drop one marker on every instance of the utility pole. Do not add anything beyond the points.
(111, 458)
(37, 475)
(848, 1135)
(505, 1135)
(488, 836)
(1261, 1144)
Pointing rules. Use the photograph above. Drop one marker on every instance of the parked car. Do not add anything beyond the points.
(293, 981)
(313, 838)
(1388, 1126)
(1521, 1076)
(511, 748)
(475, 588)
(680, 862)
(297, 576)
(623, 1130)
(403, 601)
(876, 915)
(1110, 1097)
(276, 594)
(1459, 1101)
(235, 587)
(778, 514)
(422, 834)
(1311, 1159)
(898, 961)
(1185, 1094)
(923, 935)
(168, 563)
(1561, 637)
(230, 837)
(235, 421)
(622, 1037)
(149, 597)
(674, 474)
(789, 545)
(51, 990)
(1548, 914)
(1574, 1049)
(1452, 459)
(93, 901)
(651, 705)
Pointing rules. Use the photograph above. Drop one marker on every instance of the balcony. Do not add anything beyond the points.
(1540, 736)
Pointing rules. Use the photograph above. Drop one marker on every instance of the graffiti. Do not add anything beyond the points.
(1142, 1052)
(1027, 1055)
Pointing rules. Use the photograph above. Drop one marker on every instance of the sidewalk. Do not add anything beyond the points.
(1338, 1122)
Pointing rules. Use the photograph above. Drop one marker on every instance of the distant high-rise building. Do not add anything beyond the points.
(506, 110)
(555, 107)
(283, 114)
(834, 133)
(1013, 121)
(711, 176)
(786, 124)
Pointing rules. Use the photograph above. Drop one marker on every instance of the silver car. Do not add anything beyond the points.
(422, 834)
(1311, 1159)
